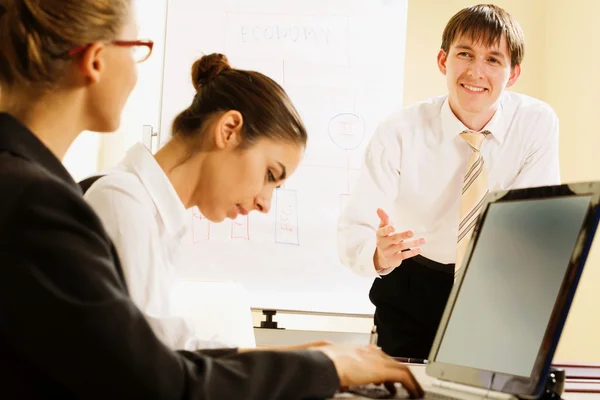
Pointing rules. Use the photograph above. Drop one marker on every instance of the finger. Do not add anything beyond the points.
(391, 387)
(385, 219)
(388, 248)
(410, 383)
(396, 237)
(319, 343)
(397, 258)
(406, 234)
(403, 245)
(403, 236)
(402, 374)
(415, 383)
(411, 244)
(384, 231)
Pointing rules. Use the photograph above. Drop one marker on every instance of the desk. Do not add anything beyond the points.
(424, 379)
(290, 337)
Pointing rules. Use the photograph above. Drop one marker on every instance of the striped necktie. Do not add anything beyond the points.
(474, 190)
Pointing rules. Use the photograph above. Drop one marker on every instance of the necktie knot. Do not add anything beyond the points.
(474, 139)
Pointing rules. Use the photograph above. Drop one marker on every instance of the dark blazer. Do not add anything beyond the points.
(68, 328)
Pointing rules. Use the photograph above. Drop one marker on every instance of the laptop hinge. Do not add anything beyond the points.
(483, 393)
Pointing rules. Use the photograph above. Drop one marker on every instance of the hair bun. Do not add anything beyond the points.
(207, 68)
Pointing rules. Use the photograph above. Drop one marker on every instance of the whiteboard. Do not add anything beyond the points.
(81, 160)
(342, 63)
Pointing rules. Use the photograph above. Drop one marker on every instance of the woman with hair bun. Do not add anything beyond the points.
(239, 139)
(68, 328)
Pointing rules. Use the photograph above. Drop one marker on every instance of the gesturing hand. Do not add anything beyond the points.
(393, 248)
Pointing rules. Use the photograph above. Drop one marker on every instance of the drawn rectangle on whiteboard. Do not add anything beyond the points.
(286, 221)
(200, 227)
(240, 228)
(319, 39)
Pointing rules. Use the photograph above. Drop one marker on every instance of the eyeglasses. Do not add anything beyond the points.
(141, 49)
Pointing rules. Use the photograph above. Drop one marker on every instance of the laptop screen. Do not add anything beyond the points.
(515, 272)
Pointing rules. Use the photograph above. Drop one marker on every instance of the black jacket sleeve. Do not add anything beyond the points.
(65, 311)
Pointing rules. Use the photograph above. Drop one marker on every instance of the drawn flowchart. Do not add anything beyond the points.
(201, 227)
(286, 222)
(347, 131)
(240, 228)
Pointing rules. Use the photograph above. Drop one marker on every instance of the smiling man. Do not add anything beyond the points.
(429, 166)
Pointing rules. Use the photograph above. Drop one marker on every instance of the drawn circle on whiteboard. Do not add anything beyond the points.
(347, 131)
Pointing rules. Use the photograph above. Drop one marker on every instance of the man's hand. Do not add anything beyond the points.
(393, 248)
(364, 364)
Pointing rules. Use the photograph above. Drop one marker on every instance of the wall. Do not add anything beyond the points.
(571, 85)
(79, 160)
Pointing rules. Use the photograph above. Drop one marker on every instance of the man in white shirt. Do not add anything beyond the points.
(424, 167)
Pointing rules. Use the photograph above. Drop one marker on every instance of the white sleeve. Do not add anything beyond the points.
(376, 187)
(132, 227)
(541, 167)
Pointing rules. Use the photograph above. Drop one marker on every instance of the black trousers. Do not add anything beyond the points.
(409, 304)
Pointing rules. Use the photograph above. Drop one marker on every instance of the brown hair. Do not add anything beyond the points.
(35, 36)
(486, 23)
(264, 105)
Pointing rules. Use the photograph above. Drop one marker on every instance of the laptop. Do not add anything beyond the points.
(506, 311)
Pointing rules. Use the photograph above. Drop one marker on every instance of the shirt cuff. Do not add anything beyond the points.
(365, 265)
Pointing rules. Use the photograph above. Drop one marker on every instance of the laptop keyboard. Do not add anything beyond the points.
(437, 396)
(372, 392)
(380, 392)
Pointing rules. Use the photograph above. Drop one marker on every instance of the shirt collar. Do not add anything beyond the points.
(170, 207)
(451, 125)
(16, 138)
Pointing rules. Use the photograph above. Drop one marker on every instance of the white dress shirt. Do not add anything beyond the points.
(147, 221)
(414, 169)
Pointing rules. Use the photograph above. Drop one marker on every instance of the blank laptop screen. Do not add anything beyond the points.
(514, 276)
